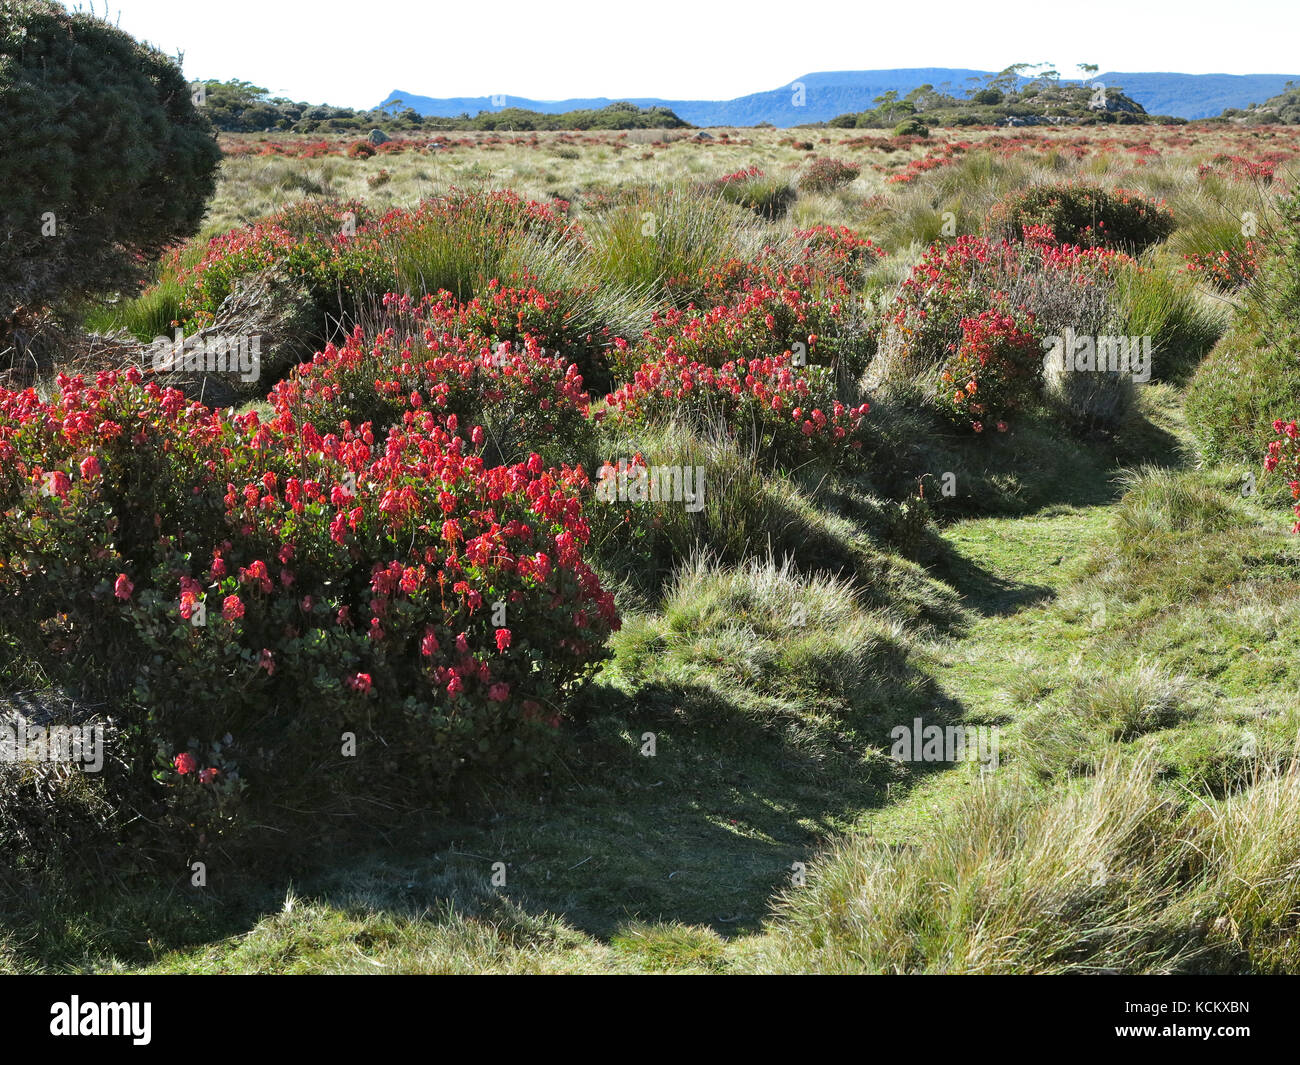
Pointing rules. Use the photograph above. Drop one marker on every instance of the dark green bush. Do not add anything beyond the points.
(1084, 215)
(105, 159)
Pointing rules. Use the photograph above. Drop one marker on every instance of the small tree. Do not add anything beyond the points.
(886, 102)
(104, 159)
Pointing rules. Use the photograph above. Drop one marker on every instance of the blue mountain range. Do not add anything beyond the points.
(821, 96)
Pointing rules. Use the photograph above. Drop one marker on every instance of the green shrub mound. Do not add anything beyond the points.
(106, 161)
(1088, 216)
(1252, 378)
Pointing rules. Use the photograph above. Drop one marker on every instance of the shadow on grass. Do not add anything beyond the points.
(982, 590)
(703, 832)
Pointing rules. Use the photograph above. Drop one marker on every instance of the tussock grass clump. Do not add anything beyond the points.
(768, 195)
(460, 242)
(802, 654)
(309, 936)
(667, 233)
(749, 511)
(1009, 880)
(149, 315)
(1252, 847)
(1159, 502)
(1249, 380)
(1177, 536)
(1111, 875)
(1102, 707)
(963, 190)
(664, 947)
(1183, 324)
(1212, 212)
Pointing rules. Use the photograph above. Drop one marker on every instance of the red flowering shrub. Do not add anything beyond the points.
(429, 360)
(824, 175)
(1084, 215)
(1238, 168)
(740, 176)
(210, 577)
(792, 411)
(311, 240)
(519, 312)
(756, 323)
(993, 371)
(1284, 456)
(836, 251)
(1228, 269)
(956, 281)
(793, 299)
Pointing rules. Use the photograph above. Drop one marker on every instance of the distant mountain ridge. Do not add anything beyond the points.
(826, 94)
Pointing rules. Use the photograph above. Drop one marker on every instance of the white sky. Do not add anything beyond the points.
(354, 53)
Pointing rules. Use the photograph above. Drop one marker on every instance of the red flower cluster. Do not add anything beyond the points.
(956, 281)
(1239, 168)
(740, 175)
(992, 372)
(431, 364)
(794, 408)
(185, 764)
(1227, 269)
(335, 556)
(1284, 453)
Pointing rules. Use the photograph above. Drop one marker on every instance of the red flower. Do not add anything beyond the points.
(360, 683)
(185, 763)
(503, 639)
(232, 608)
(123, 587)
(90, 468)
(208, 776)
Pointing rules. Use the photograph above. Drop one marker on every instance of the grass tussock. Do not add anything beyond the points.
(1107, 876)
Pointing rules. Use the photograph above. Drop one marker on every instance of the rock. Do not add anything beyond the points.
(262, 329)
(378, 136)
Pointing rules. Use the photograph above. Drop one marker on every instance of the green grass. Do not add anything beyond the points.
(669, 233)
(1184, 323)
